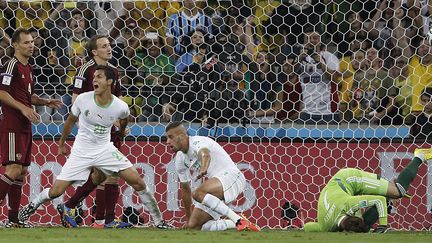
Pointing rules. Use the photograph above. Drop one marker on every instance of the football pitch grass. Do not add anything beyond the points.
(179, 236)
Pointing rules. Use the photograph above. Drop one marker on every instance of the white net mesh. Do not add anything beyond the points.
(293, 89)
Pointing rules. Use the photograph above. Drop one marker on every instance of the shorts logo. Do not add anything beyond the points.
(86, 112)
(18, 156)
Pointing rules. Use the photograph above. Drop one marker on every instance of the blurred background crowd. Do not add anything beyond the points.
(243, 61)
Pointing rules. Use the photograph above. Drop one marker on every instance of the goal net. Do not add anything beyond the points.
(294, 90)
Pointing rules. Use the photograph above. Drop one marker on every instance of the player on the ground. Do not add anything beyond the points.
(100, 52)
(96, 112)
(206, 158)
(17, 97)
(353, 200)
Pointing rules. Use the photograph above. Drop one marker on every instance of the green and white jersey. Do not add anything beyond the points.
(189, 163)
(349, 192)
(95, 121)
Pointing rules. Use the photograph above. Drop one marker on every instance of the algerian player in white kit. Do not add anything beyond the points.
(206, 158)
(96, 112)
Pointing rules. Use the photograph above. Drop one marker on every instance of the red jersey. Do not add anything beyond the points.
(83, 81)
(17, 80)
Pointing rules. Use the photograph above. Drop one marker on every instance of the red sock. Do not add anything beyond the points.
(5, 183)
(111, 195)
(100, 203)
(14, 196)
(81, 193)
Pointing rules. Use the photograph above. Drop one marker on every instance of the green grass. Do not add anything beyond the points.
(178, 236)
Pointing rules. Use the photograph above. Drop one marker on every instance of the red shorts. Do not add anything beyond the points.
(15, 148)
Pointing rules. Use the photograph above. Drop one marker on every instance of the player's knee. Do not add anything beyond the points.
(393, 192)
(111, 180)
(198, 195)
(138, 185)
(192, 224)
(55, 193)
(97, 177)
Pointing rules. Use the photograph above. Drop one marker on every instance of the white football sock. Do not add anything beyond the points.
(150, 203)
(220, 207)
(218, 225)
(41, 198)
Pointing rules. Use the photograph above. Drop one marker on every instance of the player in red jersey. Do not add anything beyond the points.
(17, 97)
(100, 52)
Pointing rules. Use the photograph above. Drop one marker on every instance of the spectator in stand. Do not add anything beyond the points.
(48, 75)
(291, 92)
(156, 69)
(195, 105)
(150, 15)
(182, 24)
(318, 71)
(32, 14)
(349, 67)
(373, 92)
(265, 93)
(422, 127)
(191, 44)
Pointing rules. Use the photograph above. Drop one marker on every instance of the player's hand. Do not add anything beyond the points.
(31, 114)
(62, 150)
(54, 103)
(201, 175)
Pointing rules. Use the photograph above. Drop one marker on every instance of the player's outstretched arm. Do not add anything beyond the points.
(67, 129)
(356, 203)
(51, 103)
(122, 127)
(187, 198)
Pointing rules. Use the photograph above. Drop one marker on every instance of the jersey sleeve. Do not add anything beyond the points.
(126, 112)
(355, 203)
(182, 170)
(7, 73)
(81, 80)
(76, 106)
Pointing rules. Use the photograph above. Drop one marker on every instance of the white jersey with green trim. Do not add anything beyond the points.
(95, 121)
(219, 159)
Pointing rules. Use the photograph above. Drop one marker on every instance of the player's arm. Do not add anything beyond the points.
(67, 129)
(356, 203)
(204, 157)
(52, 103)
(122, 126)
(28, 112)
(187, 198)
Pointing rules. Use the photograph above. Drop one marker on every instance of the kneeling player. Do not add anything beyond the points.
(351, 192)
(225, 181)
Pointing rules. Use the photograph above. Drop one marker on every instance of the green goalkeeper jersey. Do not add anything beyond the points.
(349, 192)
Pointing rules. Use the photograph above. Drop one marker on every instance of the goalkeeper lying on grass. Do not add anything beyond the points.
(353, 200)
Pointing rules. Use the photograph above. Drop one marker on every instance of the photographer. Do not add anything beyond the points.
(318, 71)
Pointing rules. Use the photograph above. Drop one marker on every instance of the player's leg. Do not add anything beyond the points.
(203, 218)
(16, 151)
(46, 195)
(400, 187)
(112, 193)
(217, 191)
(131, 176)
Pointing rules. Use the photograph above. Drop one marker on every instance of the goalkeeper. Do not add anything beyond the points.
(353, 200)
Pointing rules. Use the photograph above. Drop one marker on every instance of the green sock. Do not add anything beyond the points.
(370, 216)
(409, 173)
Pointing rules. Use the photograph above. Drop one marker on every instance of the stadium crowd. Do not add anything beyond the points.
(243, 61)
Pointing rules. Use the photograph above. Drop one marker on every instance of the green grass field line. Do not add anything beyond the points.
(179, 236)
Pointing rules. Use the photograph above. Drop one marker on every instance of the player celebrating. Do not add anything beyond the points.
(225, 181)
(17, 97)
(351, 190)
(100, 52)
(96, 112)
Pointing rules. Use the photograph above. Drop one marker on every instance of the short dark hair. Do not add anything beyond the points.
(108, 71)
(427, 92)
(354, 224)
(173, 125)
(92, 44)
(16, 35)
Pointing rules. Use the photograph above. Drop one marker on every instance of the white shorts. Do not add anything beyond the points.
(233, 184)
(78, 167)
